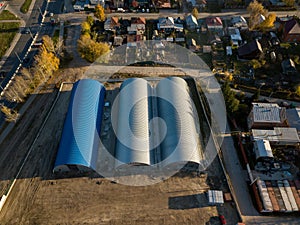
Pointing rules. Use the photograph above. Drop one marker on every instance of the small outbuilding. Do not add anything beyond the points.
(215, 197)
(263, 150)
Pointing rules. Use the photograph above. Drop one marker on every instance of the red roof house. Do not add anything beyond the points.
(291, 31)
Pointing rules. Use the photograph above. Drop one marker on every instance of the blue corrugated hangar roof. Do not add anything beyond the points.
(80, 137)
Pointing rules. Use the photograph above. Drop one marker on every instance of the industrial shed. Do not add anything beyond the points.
(78, 148)
(172, 140)
(175, 106)
(133, 142)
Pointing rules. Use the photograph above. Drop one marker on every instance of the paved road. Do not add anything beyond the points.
(173, 13)
(31, 20)
(22, 45)
(270, 99)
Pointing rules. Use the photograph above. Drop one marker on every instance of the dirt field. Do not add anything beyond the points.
(38, 197)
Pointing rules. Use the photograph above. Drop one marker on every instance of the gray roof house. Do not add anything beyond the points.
(191, 22)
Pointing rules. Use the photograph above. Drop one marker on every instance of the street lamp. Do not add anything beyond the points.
(18, 57)
(30, 32)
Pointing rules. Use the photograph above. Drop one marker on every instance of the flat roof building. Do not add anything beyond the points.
(278, 136)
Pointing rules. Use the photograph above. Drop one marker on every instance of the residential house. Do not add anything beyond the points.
(192, 2)
(165, 24)
(191, 22)
(137, 26)
(239, 22)
(235, 36)
(111, 23)
(252, 50)
(288, 67)
(93, 3)
(293, 117)
(80, 5)
(214, 23)
(267, 115)
(291, 31)
(277, 3)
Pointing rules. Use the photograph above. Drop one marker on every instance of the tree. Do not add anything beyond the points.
(85, 27)
(298, 91)
(90, 20)
(10, 114)
(99, 13)
(256, 95)
(90, 49)
(47, 63)
(289, 3)
(232, 103)
(48, 44)
(255, 10)
(195, 12)
(268, 22)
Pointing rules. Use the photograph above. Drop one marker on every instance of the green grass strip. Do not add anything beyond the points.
(7, 34)
(7, 15)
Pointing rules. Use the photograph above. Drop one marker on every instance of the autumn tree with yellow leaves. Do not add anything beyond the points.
(90, 49)
(99, 12)
(289, 3)
(10, 114)
(85, 27)
(268, 23)
(195, 12)
(46, 63)
(256, 10)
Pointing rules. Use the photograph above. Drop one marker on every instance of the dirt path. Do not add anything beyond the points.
(14, 148)
(38, 166)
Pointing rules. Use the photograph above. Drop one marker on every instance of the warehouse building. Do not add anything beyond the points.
(175, 107)
(79, 143)
(154, 126)
(133, 141)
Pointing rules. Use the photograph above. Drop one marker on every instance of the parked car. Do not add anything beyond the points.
(222, 219)
(121, 10)
(26, 30)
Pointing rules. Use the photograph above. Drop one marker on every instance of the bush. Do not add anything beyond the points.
(25, 6)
